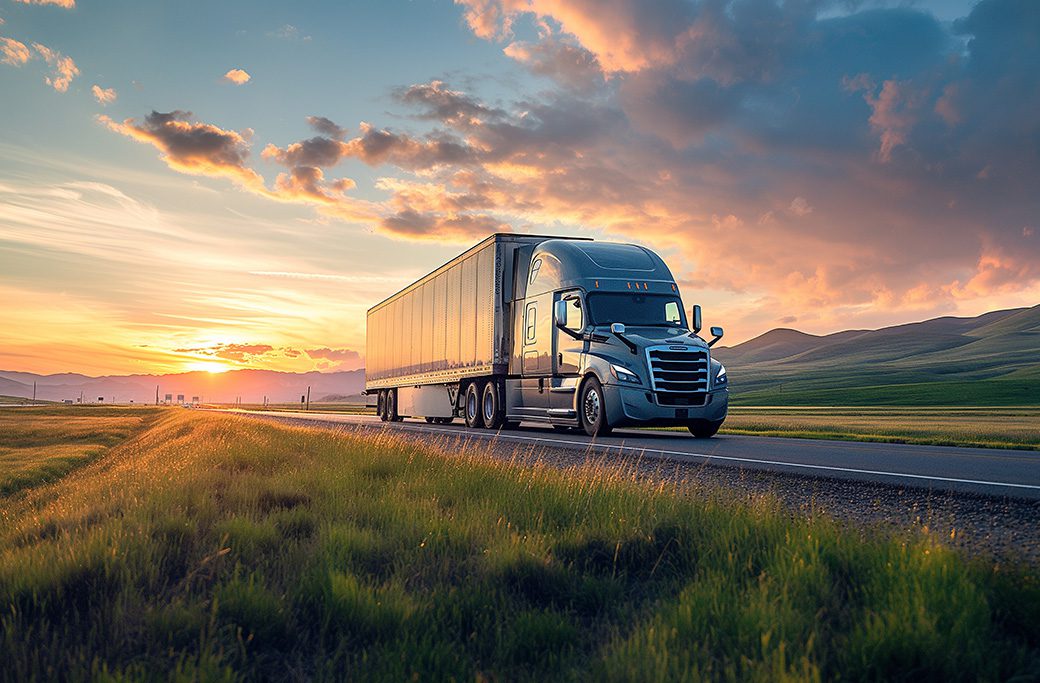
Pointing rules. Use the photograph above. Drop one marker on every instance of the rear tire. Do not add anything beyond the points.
(592, 409)
(704, 429)
(471, 408)
(391, 406)
(491, 406)
(381, 405)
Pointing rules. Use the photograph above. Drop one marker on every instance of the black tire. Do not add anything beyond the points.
(592, 409)
(471, 406)
(381, 405)
(391, 406)
(491, 406)
(704, 429)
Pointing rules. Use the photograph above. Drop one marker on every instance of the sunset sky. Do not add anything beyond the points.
(210, 185)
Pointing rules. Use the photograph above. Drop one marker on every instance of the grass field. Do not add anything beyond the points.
(214, 546)
(1011, 427)
(42, 444)
(976, 392)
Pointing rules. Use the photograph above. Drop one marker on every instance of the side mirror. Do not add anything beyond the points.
(560, 313)
(617, 328)
(717, 333)
(695, 319)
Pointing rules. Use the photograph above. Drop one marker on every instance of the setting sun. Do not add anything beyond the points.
(206, 366)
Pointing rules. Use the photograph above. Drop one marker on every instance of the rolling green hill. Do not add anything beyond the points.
(992, 359)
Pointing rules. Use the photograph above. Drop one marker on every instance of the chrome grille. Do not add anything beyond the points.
(679, 376)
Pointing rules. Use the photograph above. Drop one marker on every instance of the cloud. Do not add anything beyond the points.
(339, 355)
(237, 76)
(192, 147)
(14, 52)
(104, 96)
(308, 183)
(326, 127)
(288, 32)
(239, 353)
(317, 151)
(569, 64)
(63, 68)
(67, 4)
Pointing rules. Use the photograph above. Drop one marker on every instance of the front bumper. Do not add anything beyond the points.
(635, 406)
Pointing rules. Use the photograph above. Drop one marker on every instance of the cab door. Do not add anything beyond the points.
(568, 357)
(536, 359)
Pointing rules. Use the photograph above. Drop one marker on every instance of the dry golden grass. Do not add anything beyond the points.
(41, 444)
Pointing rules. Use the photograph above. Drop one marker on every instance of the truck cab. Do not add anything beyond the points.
(601, 340)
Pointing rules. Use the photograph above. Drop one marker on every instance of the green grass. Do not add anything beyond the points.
(18, 400)
(214, 546)
(41, 444)
(995, 392)
(993, 427)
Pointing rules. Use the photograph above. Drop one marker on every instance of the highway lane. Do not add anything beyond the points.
(993, 472)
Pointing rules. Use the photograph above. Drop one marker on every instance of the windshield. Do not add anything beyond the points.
(635, 309)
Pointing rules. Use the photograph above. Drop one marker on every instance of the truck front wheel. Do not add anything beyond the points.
(704, 429)
(592, 409)
(474, 415)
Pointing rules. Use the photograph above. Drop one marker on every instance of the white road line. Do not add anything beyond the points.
(683, 454)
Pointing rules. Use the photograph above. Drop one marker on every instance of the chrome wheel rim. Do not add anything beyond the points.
(591, 406)
(471, 405)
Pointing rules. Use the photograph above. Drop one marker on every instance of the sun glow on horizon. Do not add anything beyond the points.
(210, 366)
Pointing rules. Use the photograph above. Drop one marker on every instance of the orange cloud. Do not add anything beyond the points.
(193, 147)
(64, 69)
(67, 4)
(237, 76)
(14, 52)
(104, 96)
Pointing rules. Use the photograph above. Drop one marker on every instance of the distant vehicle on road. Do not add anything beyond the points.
(571, 332)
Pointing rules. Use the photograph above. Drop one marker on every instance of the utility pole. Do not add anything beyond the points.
(34, 392)
(156, 394)
(308, 398)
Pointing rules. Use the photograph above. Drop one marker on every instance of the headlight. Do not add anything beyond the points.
(721, 377)
(624, 374)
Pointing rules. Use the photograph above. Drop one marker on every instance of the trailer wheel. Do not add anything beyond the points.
(592, 409)
(491, 406)
(391, 406)
(474, 415)
(704, 429)
(381, 405)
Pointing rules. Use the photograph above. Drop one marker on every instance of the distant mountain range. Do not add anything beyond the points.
(251, 385)
(990, 359)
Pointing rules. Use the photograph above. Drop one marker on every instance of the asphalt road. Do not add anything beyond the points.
(992, 472)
